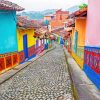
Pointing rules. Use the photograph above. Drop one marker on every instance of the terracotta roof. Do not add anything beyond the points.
(70, 23)
(57, 29)
(60, 32)
(42, 32)
(66, 35)
(26, 23)
(7, 5)
(79, 13)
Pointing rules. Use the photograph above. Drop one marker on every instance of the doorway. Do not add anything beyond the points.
(37, 43)
(25, 47)
(75, 41)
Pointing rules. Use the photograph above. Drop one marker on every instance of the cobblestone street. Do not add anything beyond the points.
(45, 79)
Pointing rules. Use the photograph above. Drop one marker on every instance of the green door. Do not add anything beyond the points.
(75, 41)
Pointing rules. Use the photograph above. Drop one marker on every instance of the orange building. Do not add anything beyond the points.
(60, 18)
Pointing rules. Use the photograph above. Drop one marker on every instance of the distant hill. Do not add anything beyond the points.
(37, 15)
(73, 9)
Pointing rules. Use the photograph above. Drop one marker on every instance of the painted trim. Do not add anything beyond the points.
(91, 47)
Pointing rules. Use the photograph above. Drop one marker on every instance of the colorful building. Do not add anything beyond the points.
(76, 40)
(26, 41)
(8, 45)
(42, 39)
(92, 43)
(48, 18)
(60, 18)
(58, 33)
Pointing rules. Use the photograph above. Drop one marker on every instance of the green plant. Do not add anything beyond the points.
(83, 6)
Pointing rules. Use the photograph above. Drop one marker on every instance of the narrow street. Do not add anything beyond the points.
(45, 79)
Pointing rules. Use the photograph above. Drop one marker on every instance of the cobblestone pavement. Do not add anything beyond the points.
(45, 79)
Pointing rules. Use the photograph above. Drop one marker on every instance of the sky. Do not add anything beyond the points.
(39, 5)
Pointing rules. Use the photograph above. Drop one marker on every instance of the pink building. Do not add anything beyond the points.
(92, 43)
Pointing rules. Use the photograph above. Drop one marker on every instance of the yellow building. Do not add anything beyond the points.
(77, 35)
(26, 40)
(78, 38)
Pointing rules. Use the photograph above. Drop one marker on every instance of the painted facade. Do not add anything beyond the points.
(8, 45)
(79, 41)
(30, 43)
(76, 27)
(85, 40)
(8, 34)
(49, 17)
(43, 41)
(92, 43)
(60, 18)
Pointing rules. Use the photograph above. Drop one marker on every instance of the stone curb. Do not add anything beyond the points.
(83, 88)
(74, 90)
(10, 73)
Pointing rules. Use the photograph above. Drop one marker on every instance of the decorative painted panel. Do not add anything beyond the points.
(92, 58)
(15, 59)
(2, 64)
(8, 61)
(21, 56)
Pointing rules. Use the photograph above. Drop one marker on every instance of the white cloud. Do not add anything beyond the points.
(32, 5)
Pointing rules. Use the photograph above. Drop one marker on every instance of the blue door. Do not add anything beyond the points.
(25, 46)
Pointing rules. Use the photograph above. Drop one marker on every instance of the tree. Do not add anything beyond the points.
(83, 6)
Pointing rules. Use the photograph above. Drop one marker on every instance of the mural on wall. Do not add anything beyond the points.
(21, 57)
(2, 64)
(92, 58)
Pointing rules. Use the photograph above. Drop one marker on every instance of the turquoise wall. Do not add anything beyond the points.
(8, 36)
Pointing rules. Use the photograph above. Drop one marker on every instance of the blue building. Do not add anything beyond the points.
(8, 35)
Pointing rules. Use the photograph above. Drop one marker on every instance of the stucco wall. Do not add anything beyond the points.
(8, 36)
(93, 24)
(30, 39)
(80, 26)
